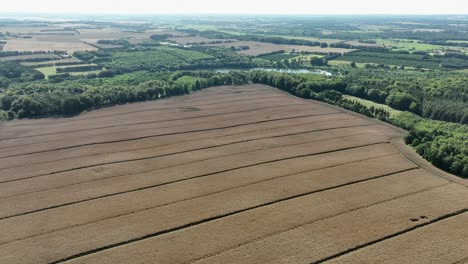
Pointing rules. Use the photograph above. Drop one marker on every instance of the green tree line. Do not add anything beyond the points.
(444, 144)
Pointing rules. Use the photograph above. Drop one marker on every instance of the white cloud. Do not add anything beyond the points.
(239, 6)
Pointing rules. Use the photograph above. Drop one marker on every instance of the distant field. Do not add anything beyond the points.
(52, 70)
(107, 46)
(37, 45)
(340, 63)
(290, 56)
(47, 71)
(326, 40)
(457, 41)
(259, 48)
(29, 57)
(277, 56)
(114, 33)
(358, 64)
(305, 57)
(162, 56)
(369, 103)
(348, 63)
(28, 29)
(139, 58)
(200, 27)
(401, 45)
(411, 60)
(52, 38)
(93, 42)
(428, 30)
(93, 35)
(50, 61)
(360, 44)
(414, 46)
(196, 39)
(72, 39)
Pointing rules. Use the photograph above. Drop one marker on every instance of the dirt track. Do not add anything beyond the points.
(230, 174)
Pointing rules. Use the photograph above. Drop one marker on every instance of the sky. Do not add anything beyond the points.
(237, 6)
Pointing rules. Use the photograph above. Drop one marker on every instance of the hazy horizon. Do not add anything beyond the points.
(239, 7)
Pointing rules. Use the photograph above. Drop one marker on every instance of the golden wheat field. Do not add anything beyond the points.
(230, 174)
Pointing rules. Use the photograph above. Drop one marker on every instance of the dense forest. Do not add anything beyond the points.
(442, 143)
(73, 94)
(440, 95)
(10, 72)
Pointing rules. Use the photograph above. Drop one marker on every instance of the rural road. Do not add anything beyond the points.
(231, 174)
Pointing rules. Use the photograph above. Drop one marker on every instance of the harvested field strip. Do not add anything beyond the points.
(102, 230)
(54, 168)
(39, 201)
(373, 222)
(149, 106)
(48, 137)
(400, 247)
(145, 133)
(227, 150)
(168, 112)
(266, 227)
(281, 108)
(225, 175)
(100, 126)
(57, 218)
(188, 118)
(89, 187)
(246, 131)
(29, 57)
(56, 180)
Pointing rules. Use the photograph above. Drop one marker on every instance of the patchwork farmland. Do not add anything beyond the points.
(229, 174)
(259, 48)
